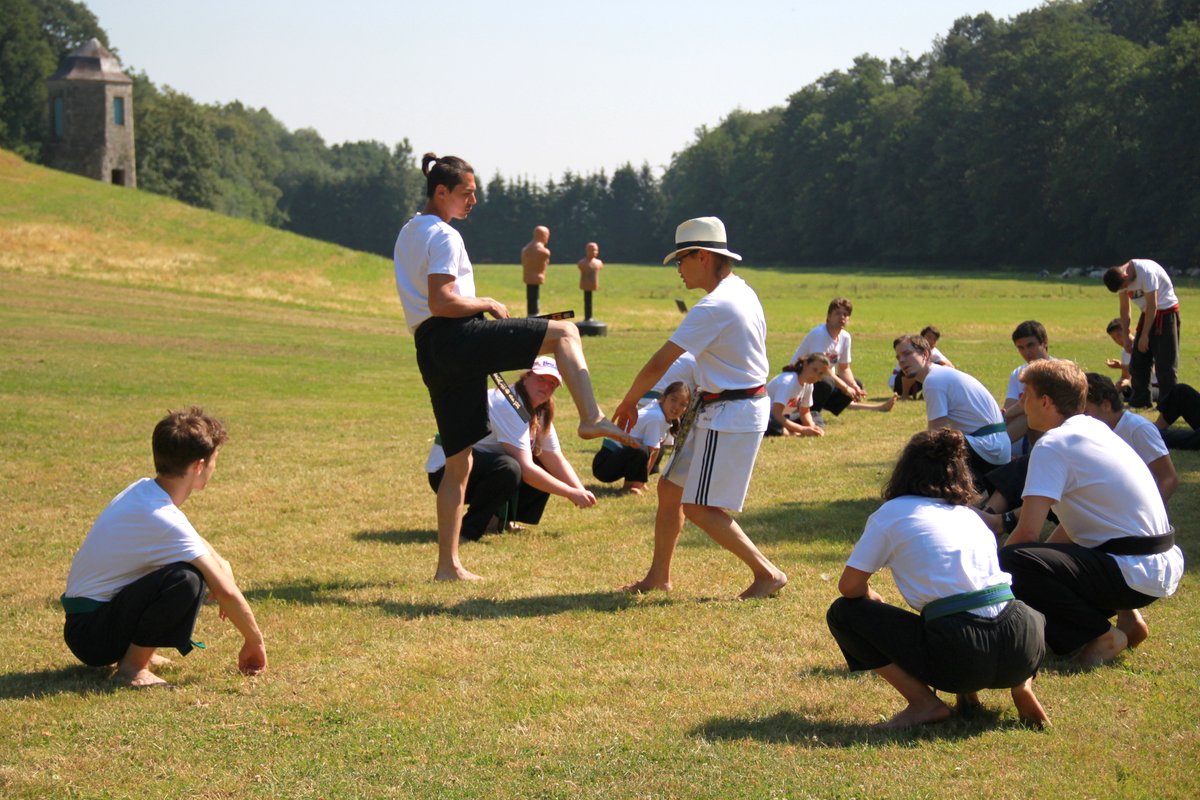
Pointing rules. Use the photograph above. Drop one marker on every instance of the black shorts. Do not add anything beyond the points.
(456, 356)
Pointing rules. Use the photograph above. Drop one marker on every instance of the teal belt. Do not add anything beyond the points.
(986, 430)
(968, 601)
(609, 444)
(651, 395)
(79, 605)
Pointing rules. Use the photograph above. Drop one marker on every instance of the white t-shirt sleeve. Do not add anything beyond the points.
(507, 424)
(1048, 473)
(844, 348)
(1014, 385)
(652, 427)
(548, 440)
(443, 253)
(697, 330)
(873, 551)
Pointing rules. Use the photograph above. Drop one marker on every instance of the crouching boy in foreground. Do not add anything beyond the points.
(143, 571)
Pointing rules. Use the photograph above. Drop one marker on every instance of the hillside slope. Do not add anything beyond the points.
(54, 223)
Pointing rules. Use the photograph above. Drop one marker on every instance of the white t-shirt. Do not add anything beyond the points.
(1015, 387)
(684, 369)
(934, 550)
(140, 531)
(955, 394)
(1149, 276)
(651, 427)
(505, 426)
(818, 340)
(787, 389)
(1101, 490)
(1142, 435)
(727, 333)
(427, 246)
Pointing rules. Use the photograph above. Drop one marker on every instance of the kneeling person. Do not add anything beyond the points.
(142, 573)
(1113, 550)
(519, 464)
(969, 632)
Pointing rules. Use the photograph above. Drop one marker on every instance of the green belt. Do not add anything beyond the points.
(968, 601)
(651, 395)
(986, 430)
(79, 605)
(609, 444)
(437, 439)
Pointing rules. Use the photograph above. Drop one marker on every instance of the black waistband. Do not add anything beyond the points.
(732, 394)
(1138, 545)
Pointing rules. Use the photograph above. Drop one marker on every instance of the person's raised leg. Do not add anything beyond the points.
(724, 530)
(134, 668)
(562, 339)
(924, 707)
(450, 499)
(668, 524)
(1029, 710)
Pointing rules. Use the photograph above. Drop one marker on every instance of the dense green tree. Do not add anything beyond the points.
(67, 24)
(26, 60)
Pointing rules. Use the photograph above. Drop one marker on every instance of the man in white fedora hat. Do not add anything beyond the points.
(710, 472)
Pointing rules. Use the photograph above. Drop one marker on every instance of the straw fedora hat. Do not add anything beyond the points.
(702, 233)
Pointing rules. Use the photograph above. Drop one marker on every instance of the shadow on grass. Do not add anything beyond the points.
(808, 729)
(342, 593)
(834, 525)
(47, 682)
(422, 536)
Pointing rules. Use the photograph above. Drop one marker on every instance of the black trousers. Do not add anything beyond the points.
(1078, 589)
(628, 463)
(494, 489)
(156, 610)
(1162, 356)
(958, 653)
(1182, 401)
(1009, 480)
(828, 397)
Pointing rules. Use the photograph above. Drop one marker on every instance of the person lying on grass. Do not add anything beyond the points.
(142, 573)
(969, 632)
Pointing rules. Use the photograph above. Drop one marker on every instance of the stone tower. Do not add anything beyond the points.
(91, 117)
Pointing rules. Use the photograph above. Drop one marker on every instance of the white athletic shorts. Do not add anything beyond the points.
(714, 467)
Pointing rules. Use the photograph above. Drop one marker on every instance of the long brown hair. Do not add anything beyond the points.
(933, 464)
(541, 417)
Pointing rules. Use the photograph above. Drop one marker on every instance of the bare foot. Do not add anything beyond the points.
(139, 679)
(887, 405)
(456, 574)
(159, 661)
(1133, 626)
(1102, 649)
(1028, 708)
(633, 488)
(764, 587)
(924, 714)
(603, 427)
(967, 704)
(646, 585)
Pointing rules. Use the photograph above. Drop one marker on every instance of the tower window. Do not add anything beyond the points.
(59, 120)
(118, 110)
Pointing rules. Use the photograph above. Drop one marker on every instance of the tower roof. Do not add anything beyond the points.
(90, 62)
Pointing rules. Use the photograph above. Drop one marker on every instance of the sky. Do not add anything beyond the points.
(521, 88)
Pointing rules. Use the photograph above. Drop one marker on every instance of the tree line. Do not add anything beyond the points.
(1066, 135)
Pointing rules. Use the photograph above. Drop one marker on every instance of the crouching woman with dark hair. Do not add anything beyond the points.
(970, 633)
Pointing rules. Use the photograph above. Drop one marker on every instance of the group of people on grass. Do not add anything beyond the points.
(984, 616)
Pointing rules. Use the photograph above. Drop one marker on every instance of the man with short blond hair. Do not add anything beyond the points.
(1113, 550)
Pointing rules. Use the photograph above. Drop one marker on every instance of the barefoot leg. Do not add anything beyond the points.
(768, 578)
(1102, 649)
(1133, 626)
(562, 339)
(924, 707)
(133, 669)
(451, 496)
(1029, 709)
(668, 524)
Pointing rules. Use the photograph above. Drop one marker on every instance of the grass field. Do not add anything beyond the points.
(543, 680)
